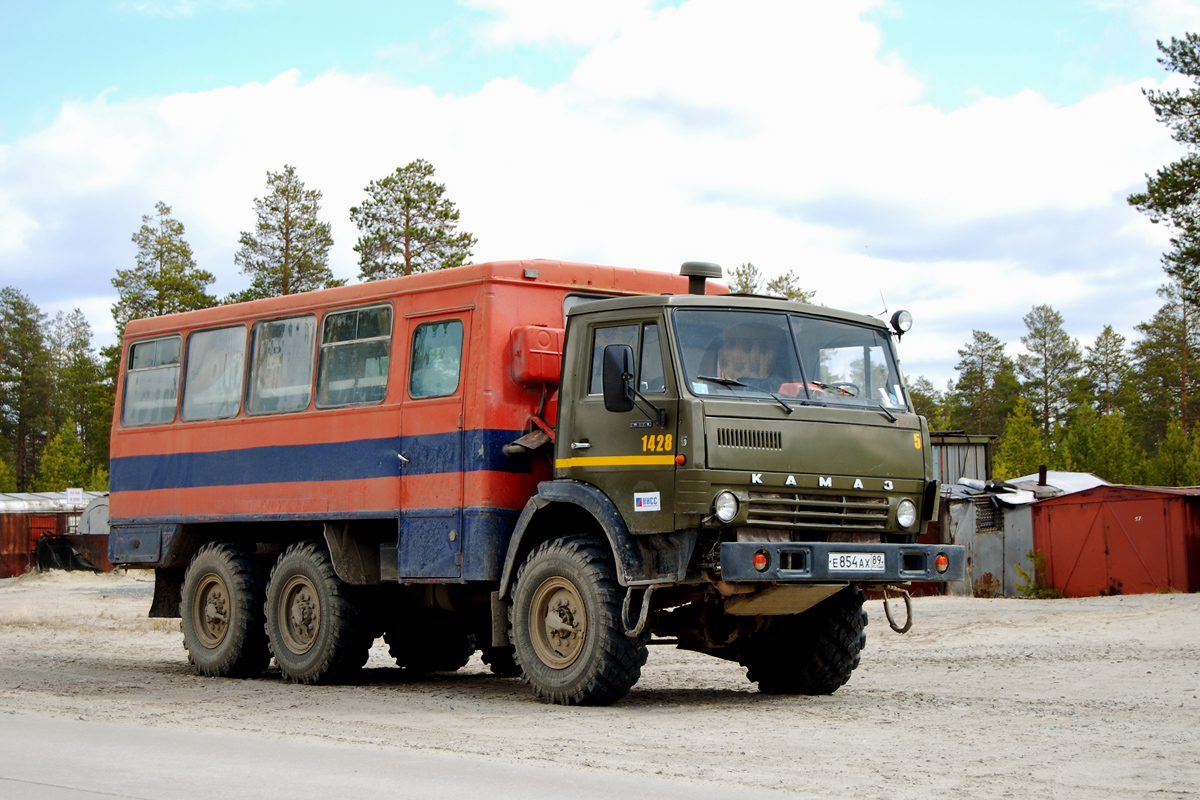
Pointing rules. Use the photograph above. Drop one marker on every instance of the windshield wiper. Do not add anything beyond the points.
(835, 387)
(883, 408)
(735, 382)
(830, 387)
(722, 381)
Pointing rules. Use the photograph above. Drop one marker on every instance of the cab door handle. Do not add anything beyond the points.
(580, 445)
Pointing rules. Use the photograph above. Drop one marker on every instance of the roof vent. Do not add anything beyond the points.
(697, 272)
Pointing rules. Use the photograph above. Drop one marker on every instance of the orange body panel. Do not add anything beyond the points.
(401, 455)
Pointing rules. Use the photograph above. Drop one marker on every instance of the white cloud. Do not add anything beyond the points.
(571, 22)
(772, 132)
(1158, 19)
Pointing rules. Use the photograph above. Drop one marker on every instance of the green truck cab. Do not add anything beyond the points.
(750, 464)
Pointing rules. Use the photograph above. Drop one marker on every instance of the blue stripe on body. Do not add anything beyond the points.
(429, 454)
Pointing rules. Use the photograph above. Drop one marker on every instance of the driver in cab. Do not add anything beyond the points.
(750, 355)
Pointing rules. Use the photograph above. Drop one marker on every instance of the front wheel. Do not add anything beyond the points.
(810, 653)
(566, 625)
(316, 630)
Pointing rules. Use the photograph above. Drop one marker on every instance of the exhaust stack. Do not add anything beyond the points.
(698, 272)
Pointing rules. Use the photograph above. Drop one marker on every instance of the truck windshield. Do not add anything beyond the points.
(745, 354)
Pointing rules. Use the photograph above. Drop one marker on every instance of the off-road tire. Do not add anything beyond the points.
(423, 641)
(501, 661)
(313, 622)
(810, 653)
(221, 612)
(595, 663)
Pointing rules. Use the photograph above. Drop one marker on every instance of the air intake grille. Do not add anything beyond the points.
(824, 512)
(750, 439)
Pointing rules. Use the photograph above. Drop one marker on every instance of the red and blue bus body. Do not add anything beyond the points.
(432, 461)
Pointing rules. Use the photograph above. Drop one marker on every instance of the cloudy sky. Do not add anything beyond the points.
(963, 160)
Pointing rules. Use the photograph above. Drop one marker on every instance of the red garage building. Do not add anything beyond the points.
(1120, 540)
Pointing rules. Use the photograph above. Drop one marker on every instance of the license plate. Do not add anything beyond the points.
(856, 562)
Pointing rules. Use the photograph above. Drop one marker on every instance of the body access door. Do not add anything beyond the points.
(626, 454)
(431, 446)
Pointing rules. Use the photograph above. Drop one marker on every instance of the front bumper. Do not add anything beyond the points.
(809, 562)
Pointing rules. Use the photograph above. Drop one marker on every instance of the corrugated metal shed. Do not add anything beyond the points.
(27, 517)
(44, 502)
(958, 455)
(997, 537)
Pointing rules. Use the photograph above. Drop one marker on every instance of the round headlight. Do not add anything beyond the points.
(726, 506)
(906, 513)
(901, 322)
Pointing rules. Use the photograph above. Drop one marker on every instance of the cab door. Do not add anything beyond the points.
(431, 446)
(626, 454)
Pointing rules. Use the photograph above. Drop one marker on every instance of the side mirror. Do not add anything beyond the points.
(618, 377)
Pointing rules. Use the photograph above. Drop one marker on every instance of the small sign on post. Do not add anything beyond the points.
(75, 496)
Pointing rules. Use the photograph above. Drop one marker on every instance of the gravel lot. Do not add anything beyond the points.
(1090, 698)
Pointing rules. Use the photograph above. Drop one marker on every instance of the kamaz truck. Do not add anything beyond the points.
(555, 464)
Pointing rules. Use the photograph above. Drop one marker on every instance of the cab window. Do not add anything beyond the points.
(355, 351)
(281, 365)
(436, 359)
(152, 382)
(212, 384)
(644, 341)
(652, 379)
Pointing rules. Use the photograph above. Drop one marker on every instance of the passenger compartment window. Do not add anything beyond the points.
(281, 365)
(151, 382)
(436, 359)
(355, 351)
(216, 364)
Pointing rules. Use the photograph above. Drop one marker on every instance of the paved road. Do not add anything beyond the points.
(66, 759)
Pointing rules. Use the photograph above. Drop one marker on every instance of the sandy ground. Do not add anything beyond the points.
(1091, 698)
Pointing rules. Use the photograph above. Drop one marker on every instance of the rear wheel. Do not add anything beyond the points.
(221, 610)
(425, 641)
(501, 661)
(566, 625)
(810, 653)
(316, 630)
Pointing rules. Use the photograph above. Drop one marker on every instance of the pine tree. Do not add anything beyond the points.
(1077, 445)
(986, 390)
(1050, 368)
(787, 286)
(1173, 194)
(1106, 367)
(24, 383)
(63, 464)
(1166, 370)
(406, 226)
(1114, 456)
(1023, 447)
(77, 387)
(926, 400)
(165, 279)
(1169, 466)
(288, 251)
(747, 279)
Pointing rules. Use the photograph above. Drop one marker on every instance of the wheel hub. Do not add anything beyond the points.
(557, 622)
(211, 610)
(300, 612)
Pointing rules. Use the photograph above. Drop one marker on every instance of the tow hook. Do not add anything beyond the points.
(633, 631)
(907, 609)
